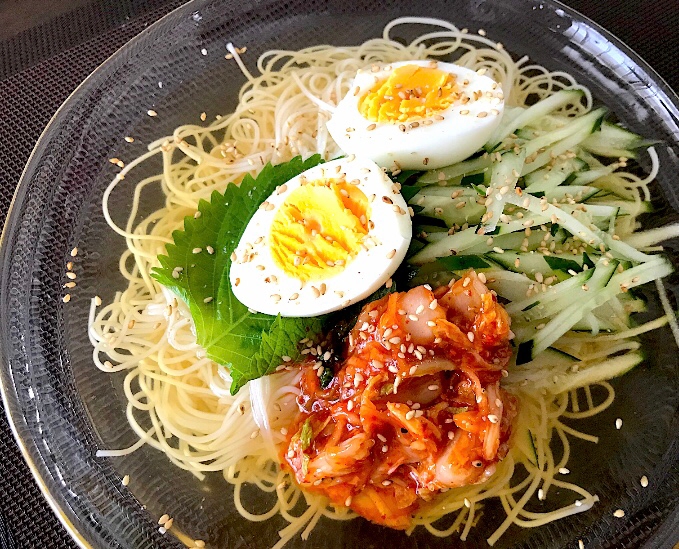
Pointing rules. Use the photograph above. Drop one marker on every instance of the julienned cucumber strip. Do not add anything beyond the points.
(553, 293)
(450, 245)
(586, 177)
(458, 211)
(618, 283)
(579, 193)
(613, 141)
(510, 241)
(533, 113)
(472, 165)
(578, 308)
(547, 179)
(564, 377)
(531, 263)
(591, 235)
(581, 123)
(468, 239)
(502, 182)
(511, 286)
(462, 262)
(573, 263)
(560, 147)
(545, 309)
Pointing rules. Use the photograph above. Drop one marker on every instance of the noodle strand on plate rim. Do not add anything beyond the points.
(184, 397)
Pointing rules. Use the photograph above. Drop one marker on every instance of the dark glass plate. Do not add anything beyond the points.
(63, 409)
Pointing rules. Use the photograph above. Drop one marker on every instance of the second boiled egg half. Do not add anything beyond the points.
(419, 115)
(324, 240)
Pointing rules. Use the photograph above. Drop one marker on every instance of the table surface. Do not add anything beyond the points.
(38, 43)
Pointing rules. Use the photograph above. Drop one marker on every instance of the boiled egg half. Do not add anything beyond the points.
(418, 115)
(324, 240)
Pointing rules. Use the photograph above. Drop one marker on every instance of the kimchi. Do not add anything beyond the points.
(415, 405)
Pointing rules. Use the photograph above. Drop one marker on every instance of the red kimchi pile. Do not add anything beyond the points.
(415, 406)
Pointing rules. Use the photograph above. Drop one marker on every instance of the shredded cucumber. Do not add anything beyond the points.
(534, 113)
(544, 234)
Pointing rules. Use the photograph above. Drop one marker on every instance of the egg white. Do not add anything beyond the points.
(386, 245)
(422, 147)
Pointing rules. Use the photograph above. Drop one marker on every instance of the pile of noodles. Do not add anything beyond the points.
(184, 397)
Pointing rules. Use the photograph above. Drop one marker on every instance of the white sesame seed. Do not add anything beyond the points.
(619, 513)
(97, 300)
(350, 405)
(581, 544)
(163, 519)
(414, 318)
(493, 418)
(72, 276)
(410, 415)
(74, 252)
(66, 298)
(541, 494)
(618, 423)
(151, 112)
(644, 481)
(347, 501)
(564, 471)
(126, 480)
(470, 336)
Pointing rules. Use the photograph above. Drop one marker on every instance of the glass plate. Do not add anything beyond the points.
(63, 409)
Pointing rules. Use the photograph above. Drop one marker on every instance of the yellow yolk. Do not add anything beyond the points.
(411, 92)
(319, 229)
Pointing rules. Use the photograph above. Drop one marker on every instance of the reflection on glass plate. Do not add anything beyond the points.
(63, 409)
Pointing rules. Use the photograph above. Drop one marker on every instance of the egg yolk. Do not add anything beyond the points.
(411, 92)
(319, 229)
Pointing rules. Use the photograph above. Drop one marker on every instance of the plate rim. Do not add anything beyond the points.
(667, 530)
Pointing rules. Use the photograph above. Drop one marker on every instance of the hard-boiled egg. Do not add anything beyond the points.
(324, 240)
(417, 114)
